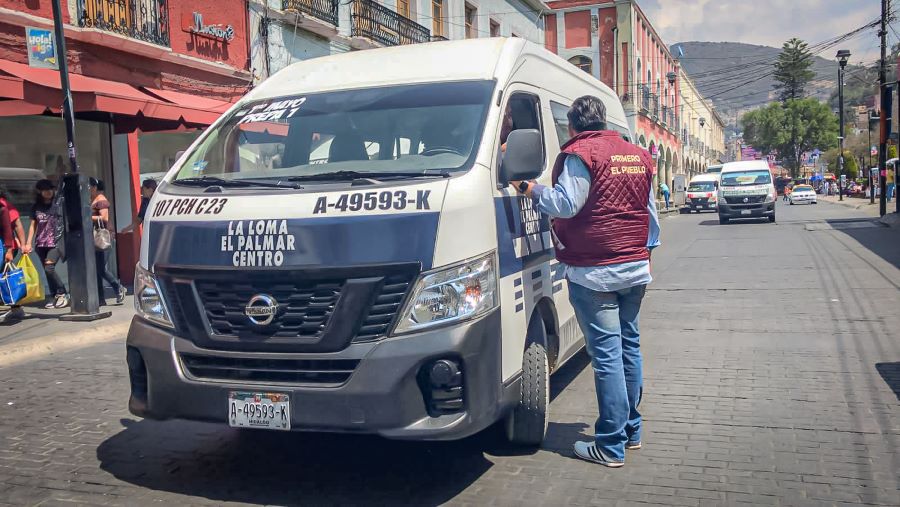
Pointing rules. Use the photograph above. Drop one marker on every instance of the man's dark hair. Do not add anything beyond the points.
(149, 183)
(587, 113)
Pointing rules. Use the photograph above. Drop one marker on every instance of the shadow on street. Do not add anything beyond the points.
(222, 464)
(882, 241)
(890, 372)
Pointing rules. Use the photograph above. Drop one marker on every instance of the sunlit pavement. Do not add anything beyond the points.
(772, 365)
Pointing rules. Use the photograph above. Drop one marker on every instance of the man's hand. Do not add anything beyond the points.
(8, 256)
(527, 192)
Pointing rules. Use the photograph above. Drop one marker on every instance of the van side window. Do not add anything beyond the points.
(561, 120)
(522, 112)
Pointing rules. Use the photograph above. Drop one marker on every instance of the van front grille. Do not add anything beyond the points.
(285, 371)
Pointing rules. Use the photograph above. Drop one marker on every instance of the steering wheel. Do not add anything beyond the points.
(437, 150)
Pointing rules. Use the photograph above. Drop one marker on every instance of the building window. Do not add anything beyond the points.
(495, 29)
(582, 62)
(471, 22)
(403, 8)
(437, 18)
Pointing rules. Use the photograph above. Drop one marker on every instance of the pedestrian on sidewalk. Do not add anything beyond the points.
(787, 193)
(10, 248)
(45, 237)
(605, 224)
(665, 192)
(14, 218)
(100, 218)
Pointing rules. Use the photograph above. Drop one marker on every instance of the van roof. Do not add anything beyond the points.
(461, 60)
(745, 165)
(705, 177)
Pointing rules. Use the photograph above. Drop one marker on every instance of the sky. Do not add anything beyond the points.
(769, 22)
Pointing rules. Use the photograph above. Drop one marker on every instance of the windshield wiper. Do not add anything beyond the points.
(354, 175)
(212, 181)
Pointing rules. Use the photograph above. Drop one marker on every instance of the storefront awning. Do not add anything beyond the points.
(32, 88)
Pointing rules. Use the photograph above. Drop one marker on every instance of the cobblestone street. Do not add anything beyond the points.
(772, 371)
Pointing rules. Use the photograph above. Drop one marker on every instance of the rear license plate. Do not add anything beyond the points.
(271, 411)
(745, 212)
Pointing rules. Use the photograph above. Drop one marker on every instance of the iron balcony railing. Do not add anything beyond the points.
(665, 116)
(654, 105)
(377, 22)
(145, 20)
(326, 10)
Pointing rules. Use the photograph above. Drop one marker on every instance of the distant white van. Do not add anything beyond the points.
(703, 193)
(746, 190)
(341, 250)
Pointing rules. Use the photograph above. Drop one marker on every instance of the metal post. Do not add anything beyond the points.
(882, 88)
(841, 138)
(82, 267)
(869, 167)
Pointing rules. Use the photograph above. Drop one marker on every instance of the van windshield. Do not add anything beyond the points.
(745, 178)
(702, 186)
(412, 129)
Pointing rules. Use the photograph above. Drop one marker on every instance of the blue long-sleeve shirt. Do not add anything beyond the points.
(565, 200)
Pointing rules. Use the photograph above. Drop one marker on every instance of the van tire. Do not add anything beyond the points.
(723, 220)
(526, 425)
(772, 218)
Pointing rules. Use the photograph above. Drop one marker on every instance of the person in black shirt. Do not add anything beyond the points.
(45, 237)
(148, 186)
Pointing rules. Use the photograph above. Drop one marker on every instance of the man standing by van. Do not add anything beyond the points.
(605, 225)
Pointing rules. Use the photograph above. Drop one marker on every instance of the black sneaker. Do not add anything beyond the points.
(12, 315)
(588, 451)
(120, 295)
(632, 445)
(51, 304)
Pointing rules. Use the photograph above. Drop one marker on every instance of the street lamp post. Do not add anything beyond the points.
(79, 229)
(843, 55)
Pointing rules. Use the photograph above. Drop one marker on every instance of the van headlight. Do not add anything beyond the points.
(451, 294)
(770, 197)
(148, 300)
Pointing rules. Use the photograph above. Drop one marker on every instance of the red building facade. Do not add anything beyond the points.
(147, 76)
(615, 42)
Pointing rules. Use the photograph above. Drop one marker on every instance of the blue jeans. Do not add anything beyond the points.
(666, 197)
(609, 321)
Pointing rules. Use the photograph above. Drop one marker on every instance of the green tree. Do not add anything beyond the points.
(851, 166)
(792, 70)
(791, 129)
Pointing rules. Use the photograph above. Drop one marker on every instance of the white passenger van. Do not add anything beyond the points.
(746, 190)
(703, 192)
(341, 251)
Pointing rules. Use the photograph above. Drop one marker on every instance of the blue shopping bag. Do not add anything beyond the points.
(12, 284)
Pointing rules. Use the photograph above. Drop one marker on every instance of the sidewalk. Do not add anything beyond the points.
(858, 203)
(42, 333)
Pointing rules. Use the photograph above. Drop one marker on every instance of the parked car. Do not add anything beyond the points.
(803, 194)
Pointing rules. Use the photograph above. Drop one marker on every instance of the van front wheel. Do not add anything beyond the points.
(527, 423)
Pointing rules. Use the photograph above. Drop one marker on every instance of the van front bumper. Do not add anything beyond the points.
(388, 392)
(757, 210)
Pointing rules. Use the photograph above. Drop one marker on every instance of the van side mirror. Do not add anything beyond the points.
(524, 157)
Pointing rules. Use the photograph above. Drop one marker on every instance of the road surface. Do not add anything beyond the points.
(772, 366)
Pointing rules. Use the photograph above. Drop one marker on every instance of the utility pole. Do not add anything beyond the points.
(79, 238)
(842, 56)
(882, 88)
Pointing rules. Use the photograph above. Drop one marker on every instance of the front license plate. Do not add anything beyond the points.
(270, 411)
(745, 212)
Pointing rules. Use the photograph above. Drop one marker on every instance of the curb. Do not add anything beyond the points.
(34, 348)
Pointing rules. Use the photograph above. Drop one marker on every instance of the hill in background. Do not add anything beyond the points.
(737, 77)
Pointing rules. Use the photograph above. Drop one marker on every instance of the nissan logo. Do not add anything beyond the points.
(261, 309)
(746, 199)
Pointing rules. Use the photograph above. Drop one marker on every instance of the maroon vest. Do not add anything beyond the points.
(613, 225)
